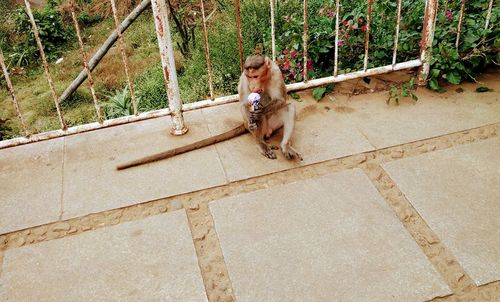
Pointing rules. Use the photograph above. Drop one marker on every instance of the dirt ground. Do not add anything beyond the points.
(214, 271)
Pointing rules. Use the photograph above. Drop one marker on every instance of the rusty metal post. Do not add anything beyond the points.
(160, 14)
(336, 58)
(488, 17)
(273, 34)
(85, 64)
(304, 41)
(240, 37)
(12, 92)
(367, 35)
(460, 20)
(207, 51)
(396, 35)
(431, 8)
(45, 64)
(121, 41)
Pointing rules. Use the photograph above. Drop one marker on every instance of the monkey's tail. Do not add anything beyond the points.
(196, 145)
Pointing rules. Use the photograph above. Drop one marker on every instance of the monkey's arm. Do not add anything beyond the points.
(196, 145)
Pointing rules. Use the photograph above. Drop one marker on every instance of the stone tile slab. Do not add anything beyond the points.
(30, 185)
(147, 260)
(320, 134)
(92, 183)
(457, 192)
(434, 114)
(331, 238)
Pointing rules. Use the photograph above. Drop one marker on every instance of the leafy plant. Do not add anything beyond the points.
(405, 90)
(319, 92)
(119, 104)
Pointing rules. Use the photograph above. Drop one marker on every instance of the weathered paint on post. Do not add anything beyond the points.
(488, 17)
(160, 14)
(429, 25)
(12, 92)
(273, 35)
(207, 51)
(367, 35)
(336, 58)
(459, 27)
(305, 38)
(85, 64)
(45, 64)
(121, 42)
(396, 35)
(240, 37)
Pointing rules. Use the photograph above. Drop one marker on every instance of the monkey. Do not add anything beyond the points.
(263, 77)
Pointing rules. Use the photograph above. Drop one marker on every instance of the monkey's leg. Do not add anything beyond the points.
(260, 136)
(288, 117)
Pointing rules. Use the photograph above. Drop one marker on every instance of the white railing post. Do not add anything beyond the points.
(160, 14)
(431, 7)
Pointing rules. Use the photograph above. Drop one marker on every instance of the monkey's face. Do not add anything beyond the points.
(257, 78)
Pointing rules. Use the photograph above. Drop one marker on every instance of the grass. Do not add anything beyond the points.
(32, 89)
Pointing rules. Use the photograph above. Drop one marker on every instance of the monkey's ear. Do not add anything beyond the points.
(268, 62)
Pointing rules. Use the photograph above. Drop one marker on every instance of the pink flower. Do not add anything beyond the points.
(331, 14)
(341, 42)
(285, 52)
(286, 66)
(344, 23)
(449, 15)
(293, 53)
(293, 72)
(363, 28)
(360, 20)
(309, 64)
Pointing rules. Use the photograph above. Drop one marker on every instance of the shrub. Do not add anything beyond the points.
(477, 49)
(150, 89)
(54, 34)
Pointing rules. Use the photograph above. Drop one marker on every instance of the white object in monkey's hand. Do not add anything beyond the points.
(255, 110)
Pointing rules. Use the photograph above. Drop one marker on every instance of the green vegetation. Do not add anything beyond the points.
(477, 49)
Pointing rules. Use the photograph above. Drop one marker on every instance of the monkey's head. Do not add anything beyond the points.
(257, 70)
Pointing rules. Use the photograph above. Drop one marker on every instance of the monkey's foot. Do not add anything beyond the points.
(290, 153)
(267, 151)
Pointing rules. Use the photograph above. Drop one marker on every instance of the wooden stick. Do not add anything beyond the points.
(196, 145)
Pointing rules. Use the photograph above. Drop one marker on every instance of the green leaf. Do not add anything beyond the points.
(433, 84)
(454, 77)
(435, 73)
(318, 93)
(295, 96)
(482, 89)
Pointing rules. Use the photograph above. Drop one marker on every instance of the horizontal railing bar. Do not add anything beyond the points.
(202, 104)
(83, 128)
(353, 75)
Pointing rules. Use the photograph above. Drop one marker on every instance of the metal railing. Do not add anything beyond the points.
(176, 108)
